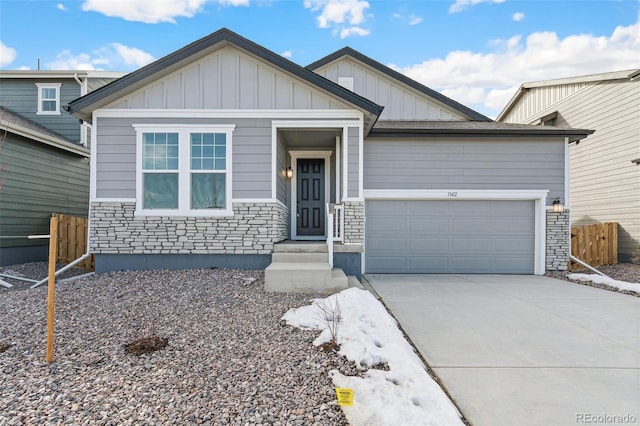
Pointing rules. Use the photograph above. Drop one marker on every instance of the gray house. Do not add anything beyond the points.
(605, 167)
(44, 156)
(221, 151)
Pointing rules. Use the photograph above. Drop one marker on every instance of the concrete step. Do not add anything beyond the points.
(295, 257)
(304, 277)
(354, 282)
(300, 247)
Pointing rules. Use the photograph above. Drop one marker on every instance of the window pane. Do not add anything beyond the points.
(220, 164)
(49, 93)
(208, 191)
(160, 151)
(206, 152)
(160, 191)
(48, 105)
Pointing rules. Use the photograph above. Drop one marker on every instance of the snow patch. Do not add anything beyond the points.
(369, 336)
(599, 279)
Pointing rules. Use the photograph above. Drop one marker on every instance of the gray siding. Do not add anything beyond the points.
(465, 164)
(605, 185)
(401, 102)
(353, 160)
(282, 184)
(38, 180)
(116, 154)
(21, 96)
(229, 79)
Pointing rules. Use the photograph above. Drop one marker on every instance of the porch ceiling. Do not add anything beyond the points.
(310, 138)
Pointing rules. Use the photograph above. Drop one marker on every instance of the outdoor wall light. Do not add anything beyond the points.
(289, 172)
(558, 207)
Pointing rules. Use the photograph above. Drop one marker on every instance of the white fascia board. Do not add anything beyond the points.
(46, 139)
(113, 200)
(327, 114)
(454, 194)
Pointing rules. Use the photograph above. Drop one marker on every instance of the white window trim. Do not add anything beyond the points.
(184, 169)
(41, 86)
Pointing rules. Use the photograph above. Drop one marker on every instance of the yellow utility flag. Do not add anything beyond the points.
(345, 397)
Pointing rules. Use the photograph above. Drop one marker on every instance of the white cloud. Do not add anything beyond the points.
(461, 5)
(347, 32)
(60, 6)
(414, 20)
(343, 16)
(148, 11)
(407, 19)
(518, 16)
(115, 56)
(7, 54)
(287, 54)
(486, 81)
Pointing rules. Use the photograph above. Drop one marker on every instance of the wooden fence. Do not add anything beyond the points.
(595, 245)
(72, 240)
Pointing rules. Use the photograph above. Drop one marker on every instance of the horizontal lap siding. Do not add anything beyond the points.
(116, 155)
(460, 164)
(38, 180)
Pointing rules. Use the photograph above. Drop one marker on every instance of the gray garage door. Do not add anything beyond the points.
(416, 236)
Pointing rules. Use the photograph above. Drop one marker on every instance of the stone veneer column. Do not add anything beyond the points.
(353, 222)
(558, 241)
(253, 229)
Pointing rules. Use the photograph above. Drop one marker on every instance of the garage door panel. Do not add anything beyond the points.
(420, 264)
(427, 245)
(427, 226)
(450, 236)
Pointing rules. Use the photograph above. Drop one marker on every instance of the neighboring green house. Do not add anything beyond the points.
(605, 167)
(44, 156)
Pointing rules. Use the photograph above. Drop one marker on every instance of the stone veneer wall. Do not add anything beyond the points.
(253, 229)
(558, 241)
(353, 222)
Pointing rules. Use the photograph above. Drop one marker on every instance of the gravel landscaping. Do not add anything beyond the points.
(229, 359)
(628, 272)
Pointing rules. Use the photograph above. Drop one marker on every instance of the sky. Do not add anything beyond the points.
(477, 52)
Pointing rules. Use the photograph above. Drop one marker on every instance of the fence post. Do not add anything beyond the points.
(53, 255)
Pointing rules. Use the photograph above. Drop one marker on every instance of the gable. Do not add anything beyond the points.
(402, 97)
(228, 78)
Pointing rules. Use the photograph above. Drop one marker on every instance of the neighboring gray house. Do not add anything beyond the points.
(44, 157)
(214, 154)
(605, 168)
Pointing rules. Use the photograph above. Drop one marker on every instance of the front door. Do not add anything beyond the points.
(310, 196)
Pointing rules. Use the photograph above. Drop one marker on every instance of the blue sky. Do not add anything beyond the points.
(476, 51)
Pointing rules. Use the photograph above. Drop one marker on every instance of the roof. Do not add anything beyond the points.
(591, 78)
(15, 123)
(84, 106)
(347, 51)
(471, 128)
(39, 74)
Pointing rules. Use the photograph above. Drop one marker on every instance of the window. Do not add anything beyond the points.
(184, 170)
(49, 98)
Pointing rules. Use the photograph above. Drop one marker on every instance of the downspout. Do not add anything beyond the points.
(84, 88)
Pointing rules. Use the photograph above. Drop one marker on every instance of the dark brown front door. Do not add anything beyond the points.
(310, 197)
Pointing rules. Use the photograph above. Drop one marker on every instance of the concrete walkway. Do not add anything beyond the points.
(523, 350)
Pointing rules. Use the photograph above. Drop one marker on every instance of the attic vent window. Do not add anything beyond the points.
(346, 82)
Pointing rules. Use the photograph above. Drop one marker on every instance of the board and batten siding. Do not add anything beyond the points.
(465, 164)
(21, 96)
(400, 101)
(227, 79)
(38, 180)
(605, 184)
(116, 155)
(353, 161)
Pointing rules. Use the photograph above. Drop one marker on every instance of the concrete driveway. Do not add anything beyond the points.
(523, 350)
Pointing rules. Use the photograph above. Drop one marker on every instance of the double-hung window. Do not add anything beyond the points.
(183, 170)
(49, 98)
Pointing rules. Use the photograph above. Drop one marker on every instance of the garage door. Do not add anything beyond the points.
(461, 236)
